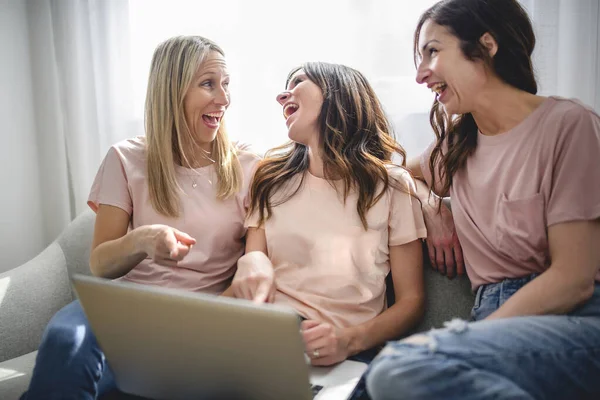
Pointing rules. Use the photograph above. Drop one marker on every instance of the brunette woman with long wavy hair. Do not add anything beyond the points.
(523, 176)
(331, 216)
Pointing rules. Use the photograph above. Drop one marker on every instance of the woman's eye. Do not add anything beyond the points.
(432, 50)
(294, 83)
(225, 84)
(206, 84)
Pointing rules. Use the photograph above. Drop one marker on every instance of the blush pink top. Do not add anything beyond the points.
(544, 171)
(327, 266)
(217, 225)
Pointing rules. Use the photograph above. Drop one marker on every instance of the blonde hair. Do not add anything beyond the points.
(174, 65)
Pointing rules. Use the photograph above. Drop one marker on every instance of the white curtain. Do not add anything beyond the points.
(567, 55)
(89, 61)
(82, 96)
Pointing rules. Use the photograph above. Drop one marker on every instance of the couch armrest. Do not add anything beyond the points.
(29, 296)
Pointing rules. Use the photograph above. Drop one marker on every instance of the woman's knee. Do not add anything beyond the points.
(402, 368)
(380, 380)
(67, 331)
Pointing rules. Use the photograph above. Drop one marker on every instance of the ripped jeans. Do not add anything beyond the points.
(537, 357)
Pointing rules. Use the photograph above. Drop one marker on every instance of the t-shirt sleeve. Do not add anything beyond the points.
(110, 186)
(406, 218)
(575, 192)
(426, 171)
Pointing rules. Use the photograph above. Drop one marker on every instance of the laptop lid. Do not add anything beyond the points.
(170, 344)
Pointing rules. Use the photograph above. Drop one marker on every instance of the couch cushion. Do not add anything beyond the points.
(15, 375)
(445, 299)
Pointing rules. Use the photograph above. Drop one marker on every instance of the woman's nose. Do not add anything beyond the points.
(222, 98)
(283, 97)
(423, 74)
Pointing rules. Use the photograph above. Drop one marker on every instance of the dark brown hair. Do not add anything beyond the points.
(356, 143)
(507, 22)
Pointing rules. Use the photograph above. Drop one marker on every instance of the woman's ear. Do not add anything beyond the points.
(488, 41)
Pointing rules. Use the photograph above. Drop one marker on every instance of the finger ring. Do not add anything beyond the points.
(316, 353)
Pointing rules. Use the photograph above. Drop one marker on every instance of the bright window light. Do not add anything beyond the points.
(265, 39)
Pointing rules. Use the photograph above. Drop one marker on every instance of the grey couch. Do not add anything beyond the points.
(31, 293)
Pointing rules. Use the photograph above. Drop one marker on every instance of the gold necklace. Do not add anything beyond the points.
(195, 182)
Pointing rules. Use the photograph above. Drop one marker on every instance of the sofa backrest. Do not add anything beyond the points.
(445, 299)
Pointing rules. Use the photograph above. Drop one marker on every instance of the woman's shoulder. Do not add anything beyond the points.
(564, 110)
(398, 172)
(132, 149)
(247, 156)
(400, 178)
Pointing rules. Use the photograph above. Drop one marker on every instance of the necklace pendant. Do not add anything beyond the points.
(194, 185)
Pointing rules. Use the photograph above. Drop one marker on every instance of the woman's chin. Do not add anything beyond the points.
(205, 138)
(301, 135)
(292, 135)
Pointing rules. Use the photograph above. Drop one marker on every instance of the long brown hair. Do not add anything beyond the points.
(468, 20)
(174, 64)
(356, 143)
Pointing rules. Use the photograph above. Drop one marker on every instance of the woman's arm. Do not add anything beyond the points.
(423, 191)
(255, 277)
(569, 282)
(327, 345)
(115, 251)
(443, 247)
(256, 240)
(406, 263)
(414, 167)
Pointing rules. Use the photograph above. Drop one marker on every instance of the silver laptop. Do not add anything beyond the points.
(170, 344)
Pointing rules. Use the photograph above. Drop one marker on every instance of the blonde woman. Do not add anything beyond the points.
(181, 189)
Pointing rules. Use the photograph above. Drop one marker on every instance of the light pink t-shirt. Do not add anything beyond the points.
(544, 171)
(217, 225)
(327, 266)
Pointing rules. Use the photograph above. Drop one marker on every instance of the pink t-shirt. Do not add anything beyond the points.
(327, 266)
(544, 171)
(217, 226)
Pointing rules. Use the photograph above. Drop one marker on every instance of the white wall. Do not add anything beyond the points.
(21, 229)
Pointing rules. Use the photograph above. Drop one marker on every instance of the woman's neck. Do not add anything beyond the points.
(315, 163)
(199, 157)
(502, 107)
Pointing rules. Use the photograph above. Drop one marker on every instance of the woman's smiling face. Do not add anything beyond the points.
(302, 103)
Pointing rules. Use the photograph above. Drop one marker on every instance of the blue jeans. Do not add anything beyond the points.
(69, 364)
(536, 357)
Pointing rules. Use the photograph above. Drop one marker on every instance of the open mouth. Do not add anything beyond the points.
(213, 119)
(289, 109)
(439, 88)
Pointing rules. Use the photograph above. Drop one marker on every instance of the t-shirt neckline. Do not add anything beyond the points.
(487, 140)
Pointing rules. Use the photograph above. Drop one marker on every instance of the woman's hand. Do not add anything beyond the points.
(164, 245)
(255, 278)
(324, 344)
(443, 246)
